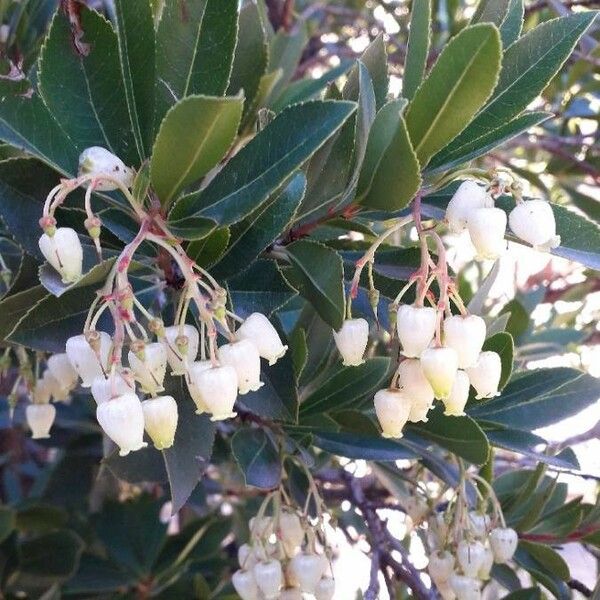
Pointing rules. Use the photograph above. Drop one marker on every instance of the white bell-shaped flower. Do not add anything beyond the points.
(466, 335)
(61, 369)
(485, 375)
(246, 557)
(98, 161)
(64, 252)
(122, 419)
(40, 418)
(393, 409)
(437, 530)
(151, 368)
(445, 590)
(218, 388)
(308, 568)
(465, 588)
(160, 420)
(351, 341)
(479, 524)
(269, 578)
(291, 594)
(258, 329)
(487, 227)
(104, 389)
(486, 567)
(416, 328)
(245, 585)
(194, 371)
(58, 393)
(182, 347)
(468, 197)
(243, 356)
(413, 382)
(533, 221)
(503, 541)
(291, 532)
(441, 566)
(325, 588)
(42, 392)
(85, 360)
(470, 556)
(455, 403)
(439, 367)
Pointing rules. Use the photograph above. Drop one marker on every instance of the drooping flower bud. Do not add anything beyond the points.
(218, 388)
(488, 563)
(325, 589)
(194, 371)
(393, 409)
(503, 542)
(182, 347)
(122, 419)
(246, 557)
(261, 527)
(83, 357)
(466, 335)
(351, 341)
(487, 227)
(58, 393)
(479, 524)
(485, 375)
(445, 590)
(441, 566)
(291, 594)
(438, 530)
(258, 329)
(244, 358)
(64, 252)
(416, 328)
(459, 395)
(269, 578)
(533, 222)
(40, 418)
(245, 585)
(149, 366)
(414, 383)
(98, 161)
(465, 588)
(160, 420)
(308, 568)
(61, 369)
(104, 389)
(468, 197)
(439, 367)
(41, 392)
(291, 532)
(470, 557)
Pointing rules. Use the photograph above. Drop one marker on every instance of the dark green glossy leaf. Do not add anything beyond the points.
(257, 457)
(532, 593)
(207, 251)
(510, 30)
(491, 11)
(418, 47)
(266, 161)
(550, 560)
(192, 228)
(145, 465)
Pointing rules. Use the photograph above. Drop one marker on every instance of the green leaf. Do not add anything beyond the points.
(458, 85)
(251, 55)
(7, 522)
(266, 161)
(207, 251)
(532, 593)
(539, 398)
(502, 343)
(511, 27)
(418, 47)
(193, 137)
(195, 45)
(257, 456)
(552, 561)
(92, 83)
(260, 288)
(15, 307)
(143, 466)
(374, 58)
(491, 11)
(26, 122)
(476, 146)
(137, 50)
(253, 235)
(460, 435)
(390, 163)
(320, 273)
(192, 228)
(346, 387)
(527, 67)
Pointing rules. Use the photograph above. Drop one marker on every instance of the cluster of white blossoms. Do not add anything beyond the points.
(132, 363)
(281, 562)
(464, 549)
(472, 208)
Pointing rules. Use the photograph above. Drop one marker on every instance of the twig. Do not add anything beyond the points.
(574, 584)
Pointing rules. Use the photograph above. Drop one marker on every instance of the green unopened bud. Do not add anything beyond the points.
(220, 313)
(48, 224)
(126, 299)
(157, 327)
(374, 299)
(393, 317)
(93, 339)
(93, 226)
(139, 349)
(182, 343)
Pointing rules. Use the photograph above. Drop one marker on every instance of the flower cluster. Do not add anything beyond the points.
(282, 560)
(137, 354)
